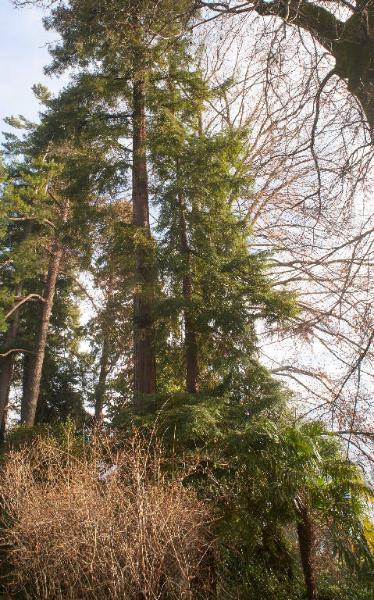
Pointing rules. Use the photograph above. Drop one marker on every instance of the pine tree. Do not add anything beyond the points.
(30, 403)
(41, 193)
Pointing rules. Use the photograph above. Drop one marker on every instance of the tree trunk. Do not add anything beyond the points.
(101, 385)
(144, 351)
(191, 345)
(30, 399)
(5, 381)
(7, 364)
(6, 371)
(305, 535)
(26, 372)
(3, 426)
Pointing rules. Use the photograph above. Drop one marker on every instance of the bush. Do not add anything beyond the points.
(129, 533)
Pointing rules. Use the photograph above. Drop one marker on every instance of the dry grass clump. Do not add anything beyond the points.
(68, 535)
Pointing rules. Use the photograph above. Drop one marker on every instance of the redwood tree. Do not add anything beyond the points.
(128, 42)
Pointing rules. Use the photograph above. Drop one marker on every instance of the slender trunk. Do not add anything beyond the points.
(26, 372)
(30, 399)
(3, 426)
(6, 371)
(191, 345)
(305, 535)
(144, 351)
(5, 381)
(7, 364)
(101, 385)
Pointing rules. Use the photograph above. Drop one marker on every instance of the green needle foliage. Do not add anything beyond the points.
(27, 216)
(204, 239)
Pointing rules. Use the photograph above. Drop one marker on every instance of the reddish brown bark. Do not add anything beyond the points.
(144, 351)
(6, 366)
(31, 396)
(305, 534)
(191, 345)
(101, 385)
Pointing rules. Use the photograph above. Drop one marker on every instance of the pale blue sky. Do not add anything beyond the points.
(23, 54)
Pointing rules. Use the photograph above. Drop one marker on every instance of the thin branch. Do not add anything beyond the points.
(26, 299)
(13, 350)
(86, 293)
(21, 219)
(368, 434)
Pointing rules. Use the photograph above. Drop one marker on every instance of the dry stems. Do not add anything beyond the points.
(68, 535)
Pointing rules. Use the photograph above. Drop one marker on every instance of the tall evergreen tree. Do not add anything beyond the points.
(56, 250)
(212, 277)
(26, 201)
(41, 195)
(127, 42)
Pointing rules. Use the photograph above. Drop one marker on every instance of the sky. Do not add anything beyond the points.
(23, 54)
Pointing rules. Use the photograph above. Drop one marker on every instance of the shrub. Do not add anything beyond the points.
(70, 533)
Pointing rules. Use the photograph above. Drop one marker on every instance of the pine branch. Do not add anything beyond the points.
(26, 299)
(13, 350)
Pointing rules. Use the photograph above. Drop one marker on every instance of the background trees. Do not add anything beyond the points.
(310, 156)
(311, 205)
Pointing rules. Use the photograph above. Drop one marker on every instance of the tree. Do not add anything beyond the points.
(210, 275)
(113, 275)
(133, 60)
(26, 201)
(343, 29)
(319, 231)
(41, 194)
(9, 338)
(57, 250)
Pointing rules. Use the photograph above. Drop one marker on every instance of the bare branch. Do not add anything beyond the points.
(26, 299)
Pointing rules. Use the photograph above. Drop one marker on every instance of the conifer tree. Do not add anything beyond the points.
(112, 274)
(128, 43)
(25, 201)
(30, 401)
(15, 236)
(41, 192)
(213, 278)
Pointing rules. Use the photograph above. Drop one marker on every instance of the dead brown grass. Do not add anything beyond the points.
(68, 535)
